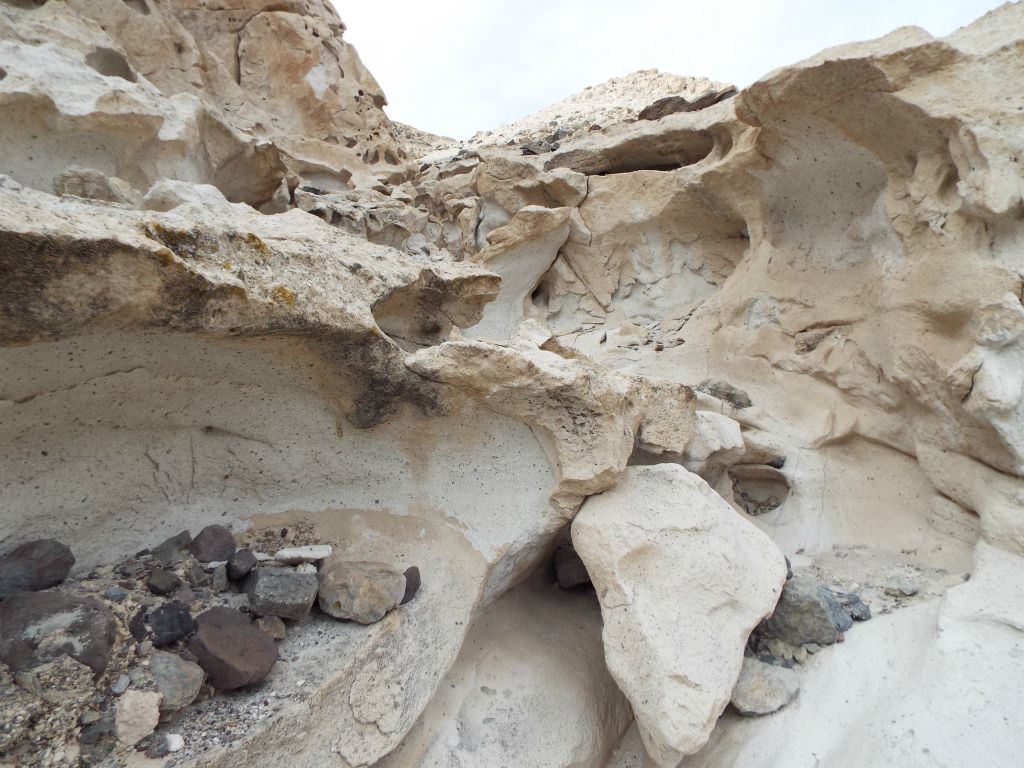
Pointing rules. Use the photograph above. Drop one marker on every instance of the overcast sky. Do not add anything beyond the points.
(460, 66)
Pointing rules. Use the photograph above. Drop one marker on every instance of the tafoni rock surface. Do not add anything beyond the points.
(751, 360)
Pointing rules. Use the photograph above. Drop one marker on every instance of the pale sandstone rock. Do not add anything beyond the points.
(682, 580)
(589, 414)
(359, 591)
(137, 714)
(839, 241)
(763, 688)
(530, 685)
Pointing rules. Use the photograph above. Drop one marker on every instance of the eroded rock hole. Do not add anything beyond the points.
(758, 488)
(139, 6)
(110, 63)
(26, 4)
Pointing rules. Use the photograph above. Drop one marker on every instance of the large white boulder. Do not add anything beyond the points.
(682, 579)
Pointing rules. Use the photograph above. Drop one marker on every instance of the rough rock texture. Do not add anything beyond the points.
(232, 651)
(530, 685)
(763, 688)
(230, 300)
(359, 591)
(682, 579)
(33, 566)
(177, 681)
(40, 627)
(282, 592)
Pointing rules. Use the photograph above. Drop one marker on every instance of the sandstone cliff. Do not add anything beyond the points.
(749, 362)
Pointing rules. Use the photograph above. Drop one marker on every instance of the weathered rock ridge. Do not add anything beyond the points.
(699, 336)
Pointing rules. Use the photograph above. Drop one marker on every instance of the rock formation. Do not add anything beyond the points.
(717, 347)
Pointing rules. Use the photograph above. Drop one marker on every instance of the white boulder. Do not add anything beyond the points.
(682, 579)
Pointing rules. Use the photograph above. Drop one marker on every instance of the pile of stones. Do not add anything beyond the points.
(92, 666)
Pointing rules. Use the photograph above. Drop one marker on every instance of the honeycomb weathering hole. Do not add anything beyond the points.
(110, 63)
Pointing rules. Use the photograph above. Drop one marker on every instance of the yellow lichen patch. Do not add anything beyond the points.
(284, 295)
(257, 243)
(226, 265)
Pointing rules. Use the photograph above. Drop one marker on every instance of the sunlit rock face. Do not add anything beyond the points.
(681, 342)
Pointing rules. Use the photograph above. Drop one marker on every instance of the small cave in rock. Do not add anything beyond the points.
(110, 63)
(758, 488)
(139, 6)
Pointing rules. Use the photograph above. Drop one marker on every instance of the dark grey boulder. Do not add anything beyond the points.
(282, 592)
(172, 551)
(231, 649)
(162, 582)
(213, 544)
(240, 563)
(801, 616)
(80, 627)
(33, 566)
(169, 623)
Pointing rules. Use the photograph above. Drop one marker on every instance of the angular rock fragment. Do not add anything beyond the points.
(282, 592)
(231, 649)
(855, 606)
(243, 561)
(33, 566)
(308, 554)
(359, 591)
(841, 618)
(272, 626)
(213, 543)
(162, 581)
(171, 551)
(169, 623)
(219, 579)
(177, 681)
(37, 627)
(682, 580)
(137, 714)
(763, 688)
(802, 615)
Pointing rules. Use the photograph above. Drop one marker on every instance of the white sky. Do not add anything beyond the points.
(459, 66)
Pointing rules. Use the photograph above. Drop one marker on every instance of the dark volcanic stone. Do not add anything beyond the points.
(240, 563)
(801, 616)
(33, 566)
(169, 623)
(282, 592)
(412, 583)
(137, 625)
(80, 627)
(857, 608)
(213, 543)
(162, 582)
(172, 551)
(840, 616)
(231, 650)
